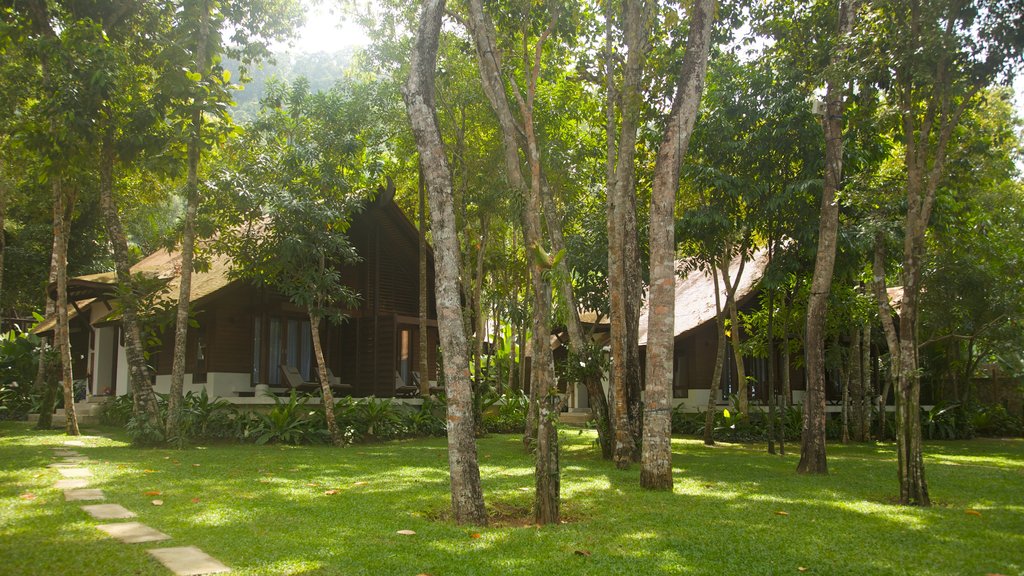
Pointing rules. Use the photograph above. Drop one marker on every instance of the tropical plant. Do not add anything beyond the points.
(289, 422)
(379, 419)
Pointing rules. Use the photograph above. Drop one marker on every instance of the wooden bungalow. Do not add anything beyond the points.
(247, 333)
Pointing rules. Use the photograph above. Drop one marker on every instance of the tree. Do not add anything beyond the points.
(932, 60)
(656, 462)
(295, 181)
(199, 39)
(420, 102)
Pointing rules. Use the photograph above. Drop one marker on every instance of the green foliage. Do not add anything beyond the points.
(944, 422)
(509, 417)
(428, 420)
(19, 359)
(379, 418)
(116, 410)
(994, 420)
(288, 422)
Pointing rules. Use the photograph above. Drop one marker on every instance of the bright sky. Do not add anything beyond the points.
(326, 30)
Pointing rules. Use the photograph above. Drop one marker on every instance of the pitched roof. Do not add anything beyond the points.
(695, 294)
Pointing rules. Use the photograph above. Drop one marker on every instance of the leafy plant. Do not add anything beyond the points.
(940, 422)
(18, 362)
(510, 415)
(288, 422)
(379, 418)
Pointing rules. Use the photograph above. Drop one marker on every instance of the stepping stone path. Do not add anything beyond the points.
(74, 472)
(188, 561)
(83, 494)
(133, 532)
(108, 511)
(183, 561)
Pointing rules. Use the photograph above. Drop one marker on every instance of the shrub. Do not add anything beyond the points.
(994, 420)
(19, 360)
(428, 420)
(510, 416)
(288, 422)
(378, 419)
(116, 411)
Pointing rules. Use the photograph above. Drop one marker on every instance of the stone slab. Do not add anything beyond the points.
(133, 532)
(74, 472)
(73, 460)
(65, 453)
(108, 511)
(71, 483)
(64, 465)
(77, 443)
(188, 561)
(77, 495)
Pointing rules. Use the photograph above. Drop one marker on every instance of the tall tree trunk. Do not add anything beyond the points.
(844, 380)
(418, 93)
(742, 400)
(479, 382)
(62, 207)
(325, 381)
(885, 315)
(772, 367)
(786, 387)
(867, 389)
(144, 404)
(716, 379)
(579, 343)
(424, 303)
(656, 461)
(46, 366)
(623, 250)
(855, 413)
(812, 446)
(174, 398)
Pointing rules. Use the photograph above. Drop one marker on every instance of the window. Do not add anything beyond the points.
(679, 384)
(404, 354)
(257, 348)
(286, 341)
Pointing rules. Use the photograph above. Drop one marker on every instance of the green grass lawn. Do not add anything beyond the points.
(264, 510)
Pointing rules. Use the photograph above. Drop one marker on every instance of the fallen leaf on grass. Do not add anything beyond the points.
(475, 535)
(582, 552)
(148, 471)
(781, 513)
(360, 483)
(312, 484)
(407, 532)
(330, 492)
(27, 496)
(196, 465)
(802, 569)
(158, 502)
(195, 500)
(972, 512)
(153, 493)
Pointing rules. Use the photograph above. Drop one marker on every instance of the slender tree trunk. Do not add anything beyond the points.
(46, 366)
(867, 385)
(424, 303)
(62, 207)
(812, 447)
(479, 381)
(742, 400)
(786, 387)
(175, 397)
(656, 462)
(325, 381)
(144, 404)
(3, 216)
(579, 343)
(856, 390)
(844, 379)
(418, 93)
(772, 376)
(716, 379)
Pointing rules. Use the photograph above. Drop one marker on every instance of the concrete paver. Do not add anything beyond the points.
(108, 511)
(76, 495)
(74, 472)
(71, 483)
(188, 561)
(133, 532)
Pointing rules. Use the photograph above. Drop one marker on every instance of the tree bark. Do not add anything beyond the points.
(62, 206)
(656, 461)
(467, 496)
(325, 381)
(144, 404)
(480, 331)
(623, 250)
(174, 398)
(716, 379)
(812, 447)
(742, 400)
(46, 366)
(772, 376)
(424, 303)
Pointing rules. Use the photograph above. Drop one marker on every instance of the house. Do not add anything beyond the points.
(246, 333)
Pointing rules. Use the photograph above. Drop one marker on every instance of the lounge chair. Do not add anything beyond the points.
(403, 390)
(293, 379)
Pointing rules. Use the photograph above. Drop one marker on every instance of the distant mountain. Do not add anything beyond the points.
(322, 69)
